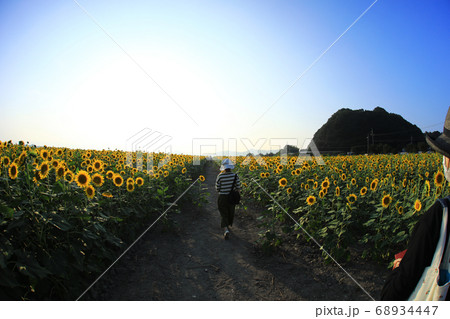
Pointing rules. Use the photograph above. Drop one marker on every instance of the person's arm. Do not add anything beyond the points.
(403, 280)
(238, 183)
(218, 183)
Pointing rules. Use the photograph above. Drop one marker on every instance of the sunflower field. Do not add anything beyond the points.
(66, 214)
(369, 202)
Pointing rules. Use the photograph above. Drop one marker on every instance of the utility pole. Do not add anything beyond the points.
(373, 137)
(368, 135)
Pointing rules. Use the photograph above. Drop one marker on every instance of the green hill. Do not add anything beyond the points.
(362, 131)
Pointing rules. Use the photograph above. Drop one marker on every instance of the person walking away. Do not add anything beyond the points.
(224, 184)
(403, 282)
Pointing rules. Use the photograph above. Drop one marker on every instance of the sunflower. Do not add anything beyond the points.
(156, 175)
(400, 209)
(90, 191)
(343, 176)
(5, 161)
(363, 191)
(44, 168)
(44, 154)
(97, 165)
(22, 157)
(55, 163)
(386, 201)
(109, 174)
(404, 183)
(337, 192)
(60, 170)
(417, 205)
(353, 181)
(267, 174)
(166, 173)
(183, 170)
(130, 180)
(325, 184)
(321, 194)
(13, 171)
(201, 178)
(427, 187)
(36, 177)
(82, 178)
(139, 181)
(118, 180)
(90, 169)
(68, 176)
(282, 182)
(311, 200)
(352, 198)
(130, 187)
(97, 180)
(439, 179)
(306, 186)
(289, 190)
(374, 184)
(107, 194)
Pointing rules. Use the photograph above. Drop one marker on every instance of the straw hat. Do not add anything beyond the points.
(226, 163)
(442, 143)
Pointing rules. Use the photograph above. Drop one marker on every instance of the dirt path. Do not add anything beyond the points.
(192, 261)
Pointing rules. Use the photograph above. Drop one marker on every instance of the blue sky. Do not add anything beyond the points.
(197, 70)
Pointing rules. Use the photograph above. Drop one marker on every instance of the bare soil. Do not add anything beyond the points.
(191, 261)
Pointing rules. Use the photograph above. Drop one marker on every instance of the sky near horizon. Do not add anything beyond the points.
(93, 74)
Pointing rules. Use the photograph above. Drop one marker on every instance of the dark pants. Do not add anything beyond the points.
(226, 211)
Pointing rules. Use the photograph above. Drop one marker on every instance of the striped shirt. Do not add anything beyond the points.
(224, 182)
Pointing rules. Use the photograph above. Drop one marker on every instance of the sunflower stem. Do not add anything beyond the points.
(7, 182)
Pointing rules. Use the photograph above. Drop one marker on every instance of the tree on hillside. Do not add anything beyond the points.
(362, 131)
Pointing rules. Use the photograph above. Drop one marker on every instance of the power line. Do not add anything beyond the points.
(440, 123)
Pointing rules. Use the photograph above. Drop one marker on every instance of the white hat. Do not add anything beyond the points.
(226, 163)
